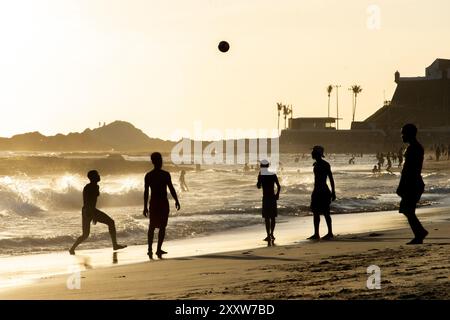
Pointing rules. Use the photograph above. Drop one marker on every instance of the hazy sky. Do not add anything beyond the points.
(66, 65)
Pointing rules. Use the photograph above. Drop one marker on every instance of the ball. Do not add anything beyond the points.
(224, 46)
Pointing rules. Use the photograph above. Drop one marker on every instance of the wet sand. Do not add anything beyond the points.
(206, 268)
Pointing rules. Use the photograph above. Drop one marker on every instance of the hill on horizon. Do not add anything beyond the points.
(115, 136)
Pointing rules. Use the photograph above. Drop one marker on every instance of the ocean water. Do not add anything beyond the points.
(44, 213)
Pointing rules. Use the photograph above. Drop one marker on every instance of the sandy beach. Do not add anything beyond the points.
(169, 153)
(291, 270)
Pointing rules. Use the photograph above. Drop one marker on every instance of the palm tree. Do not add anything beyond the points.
(355, 89)
(279, 107)
(329, 90)
(285, 113)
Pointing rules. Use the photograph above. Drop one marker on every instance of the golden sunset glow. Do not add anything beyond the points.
(66, 65)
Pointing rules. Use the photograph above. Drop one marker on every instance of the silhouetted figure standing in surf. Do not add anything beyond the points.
(158, 180)
(267, 180)
(411, 185)
(389, 165)
(321, 196)
(91, 214)
(183, 184)
(438, 153)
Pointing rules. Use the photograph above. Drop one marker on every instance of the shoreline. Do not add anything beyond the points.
(97, 265)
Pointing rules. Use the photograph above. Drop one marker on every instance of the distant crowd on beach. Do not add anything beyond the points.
(157, 181)
(440, 152)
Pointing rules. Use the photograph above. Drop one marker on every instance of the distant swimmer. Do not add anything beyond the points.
(183, 184)
(267, 180)
(352, 160)
(321, 196)
(411, 184)
(375, 169)
(91, 214)
(158, 181)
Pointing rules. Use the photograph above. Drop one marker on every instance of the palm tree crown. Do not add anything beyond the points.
(356, 89)
(329, 90)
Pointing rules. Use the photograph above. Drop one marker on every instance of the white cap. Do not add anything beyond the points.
(264, 163)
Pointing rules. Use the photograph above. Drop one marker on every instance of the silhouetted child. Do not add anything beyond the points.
(321, 196)
(267, 181)
(158, 180)
(411, 184)
(91, 214)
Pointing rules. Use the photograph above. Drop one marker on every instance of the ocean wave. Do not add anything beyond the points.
(361, 204)
(36, 201)
(437, 190)
(13, 202)
(434, 175)
(298, 189)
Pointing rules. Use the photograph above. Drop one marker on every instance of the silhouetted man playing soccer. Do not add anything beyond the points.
(411, 184)
(158, 180)
(91, 214)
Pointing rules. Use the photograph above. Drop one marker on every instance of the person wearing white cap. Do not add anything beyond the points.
(267, 180)
(321, 196)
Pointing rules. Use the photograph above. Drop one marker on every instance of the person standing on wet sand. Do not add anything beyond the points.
(411, 184)
(321, 196)
(158, 180)
(91, 214)
(267, 180)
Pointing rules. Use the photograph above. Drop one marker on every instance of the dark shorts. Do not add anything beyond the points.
(320, 201)
(159, 213)
(408, 204)
(410, 192)
(269, 207)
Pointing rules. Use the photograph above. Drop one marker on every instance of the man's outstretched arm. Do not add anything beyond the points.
(333, 191)
(278, 187)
